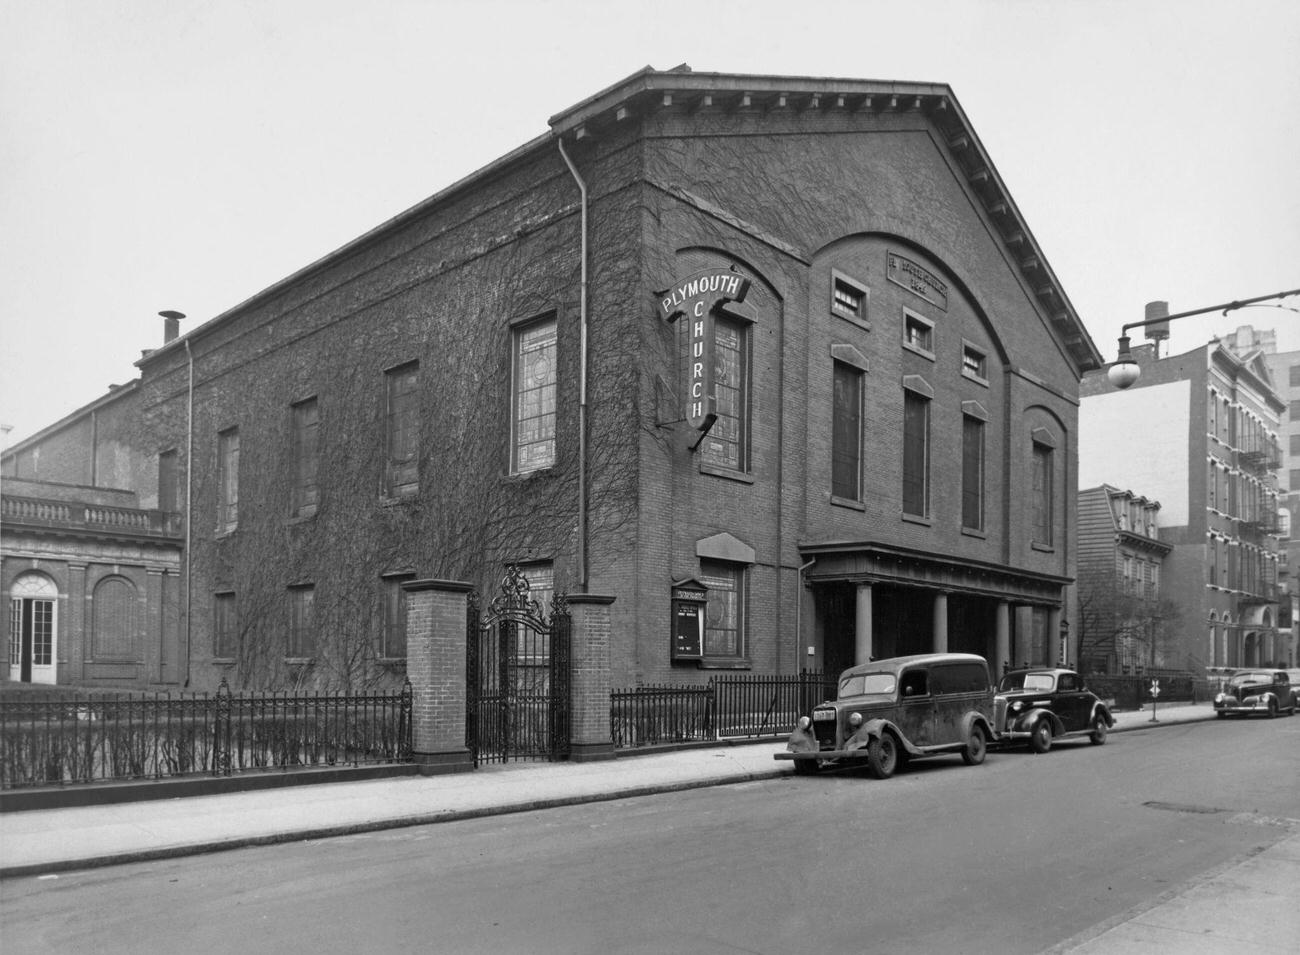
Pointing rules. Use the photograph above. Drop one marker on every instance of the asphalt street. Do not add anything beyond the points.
(1016, 855)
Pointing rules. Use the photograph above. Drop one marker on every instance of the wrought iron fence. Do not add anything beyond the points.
(61, 740)
(729, 706)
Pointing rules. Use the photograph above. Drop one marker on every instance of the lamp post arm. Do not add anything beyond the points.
(1225, 308)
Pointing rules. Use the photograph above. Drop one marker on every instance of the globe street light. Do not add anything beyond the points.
(1125, 371)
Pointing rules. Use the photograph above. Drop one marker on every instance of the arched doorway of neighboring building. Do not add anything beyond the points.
(33, 629)
(1250, 650)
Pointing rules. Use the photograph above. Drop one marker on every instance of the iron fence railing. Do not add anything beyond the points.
(61, 740)
(729, 706)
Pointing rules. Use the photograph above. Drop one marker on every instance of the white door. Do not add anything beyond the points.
(33, 608)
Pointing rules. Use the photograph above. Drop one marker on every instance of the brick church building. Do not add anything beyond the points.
(774, 361)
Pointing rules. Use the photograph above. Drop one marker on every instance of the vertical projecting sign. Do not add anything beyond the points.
(697, 297)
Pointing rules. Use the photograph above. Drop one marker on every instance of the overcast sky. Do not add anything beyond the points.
(186, 154)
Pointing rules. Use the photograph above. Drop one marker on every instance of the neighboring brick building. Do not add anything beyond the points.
(1199, 432)
(813, 371)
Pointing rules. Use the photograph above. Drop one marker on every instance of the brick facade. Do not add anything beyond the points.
(788, 185)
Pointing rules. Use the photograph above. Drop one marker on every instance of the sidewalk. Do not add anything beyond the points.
(53, 840)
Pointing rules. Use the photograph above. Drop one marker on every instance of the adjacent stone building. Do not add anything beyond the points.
(773, 361)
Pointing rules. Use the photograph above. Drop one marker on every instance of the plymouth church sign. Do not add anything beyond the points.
(697, 297)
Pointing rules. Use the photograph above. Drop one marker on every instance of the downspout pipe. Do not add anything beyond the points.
(582, 377)
(189, 512)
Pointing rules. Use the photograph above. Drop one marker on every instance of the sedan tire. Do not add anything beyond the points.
(1099, 730)
(1040, 737)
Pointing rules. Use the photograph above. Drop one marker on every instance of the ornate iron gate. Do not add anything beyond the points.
(517, 698)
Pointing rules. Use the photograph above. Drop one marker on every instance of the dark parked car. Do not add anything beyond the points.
(1039, 706)
(888, 711)
(1256, 691)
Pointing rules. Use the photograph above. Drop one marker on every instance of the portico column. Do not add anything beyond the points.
(941, 622)
(1002, 644)
(862, 650)
(1053, 636)
(1024, 640)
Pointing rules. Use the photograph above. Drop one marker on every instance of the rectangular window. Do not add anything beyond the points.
(224, 626)
(402, 431)
(393, 635)
(1293, 479)
(846, 433)
(1043, 517)
(228, 464)
(972, 473)
(916, 454)
(302, 622)
(306, 428)
(168, 482)
(725, 446)
(974, 363)
(1212, 484)
(1294, 443)
(724, 613)
(533, 446)
(848, 299)
(918, 333)
(1293, 373)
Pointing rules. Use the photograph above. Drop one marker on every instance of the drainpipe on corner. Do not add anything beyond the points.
(189, 511)
(582, 379)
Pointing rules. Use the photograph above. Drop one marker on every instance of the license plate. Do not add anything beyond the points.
(824, 716)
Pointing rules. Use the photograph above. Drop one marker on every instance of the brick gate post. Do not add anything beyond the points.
(435, 665)
(589, 674)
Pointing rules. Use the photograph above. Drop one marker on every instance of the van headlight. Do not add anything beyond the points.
(1219, 698)
(855, 720)
(804, 722)
(1017, 706)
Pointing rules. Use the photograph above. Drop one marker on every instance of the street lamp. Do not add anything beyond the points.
(1125, 371)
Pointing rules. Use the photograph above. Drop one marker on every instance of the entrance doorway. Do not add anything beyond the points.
(33, 604)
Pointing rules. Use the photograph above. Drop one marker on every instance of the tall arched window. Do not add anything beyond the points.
(114, 621)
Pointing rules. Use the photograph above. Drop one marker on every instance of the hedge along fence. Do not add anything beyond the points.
(729, 706)
(61, 740)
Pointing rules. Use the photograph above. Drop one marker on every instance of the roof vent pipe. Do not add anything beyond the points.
(171, 325)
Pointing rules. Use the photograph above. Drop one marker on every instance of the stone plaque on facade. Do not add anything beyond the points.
(917, 279)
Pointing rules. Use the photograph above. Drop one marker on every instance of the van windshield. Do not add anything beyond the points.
(860, 684)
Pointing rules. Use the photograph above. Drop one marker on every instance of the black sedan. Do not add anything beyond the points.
(1261, 692)
(1039, 706)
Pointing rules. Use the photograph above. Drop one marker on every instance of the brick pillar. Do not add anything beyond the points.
(435, 665)
(590, 679)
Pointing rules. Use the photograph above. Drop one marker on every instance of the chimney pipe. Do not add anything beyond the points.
(171, 325)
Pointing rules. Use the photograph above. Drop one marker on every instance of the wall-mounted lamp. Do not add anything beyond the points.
(1125, 371)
